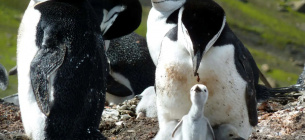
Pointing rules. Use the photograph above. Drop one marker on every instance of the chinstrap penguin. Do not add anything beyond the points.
(3, 78)
(200, 48)
(130, 65)
(194, 125)
(62, 70)
(117, 17)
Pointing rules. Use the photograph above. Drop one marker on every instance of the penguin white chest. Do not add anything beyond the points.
(33, 119)
(226, 102)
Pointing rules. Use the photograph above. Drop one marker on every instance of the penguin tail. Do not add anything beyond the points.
(264, 93)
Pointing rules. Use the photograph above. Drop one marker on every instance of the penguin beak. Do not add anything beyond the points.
(197, 59)
(239, 138)
(197, 89)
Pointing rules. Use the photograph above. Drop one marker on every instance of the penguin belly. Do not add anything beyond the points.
(32, 118)
(226, 102)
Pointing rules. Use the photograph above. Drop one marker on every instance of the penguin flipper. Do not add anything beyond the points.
(250, 90)
(210, 129)
(46, 61)
(203, 22)
(177, 126)
(3, 78)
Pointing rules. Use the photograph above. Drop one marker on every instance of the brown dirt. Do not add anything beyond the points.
(276, 121)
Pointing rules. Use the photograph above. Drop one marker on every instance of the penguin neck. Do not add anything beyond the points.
(196, 111)
(162, 15)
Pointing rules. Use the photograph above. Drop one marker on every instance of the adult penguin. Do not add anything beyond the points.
(163, 17)
(130, 66)
(117, 17)
(201, 48)
(3, 78)
(62, 70)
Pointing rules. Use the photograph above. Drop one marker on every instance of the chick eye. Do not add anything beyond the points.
(231, 135)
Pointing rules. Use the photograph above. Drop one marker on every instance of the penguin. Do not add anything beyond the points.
(3, 78)
(62, 69)
(147, 105)
(130, 65)
(227, 132)
(117, 18)
(200, 48)
(194, 125)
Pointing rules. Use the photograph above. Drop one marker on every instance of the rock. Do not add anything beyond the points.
(301, 101)
(125, 117)
(12, 99)
(2, 136)
(301, 79)
(265, 68)
(110, 115)
(298, 6)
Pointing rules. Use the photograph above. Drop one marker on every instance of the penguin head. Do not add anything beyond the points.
(199, 94)
(117, 17)
(228, 132)
(200, 23)
(167, 5)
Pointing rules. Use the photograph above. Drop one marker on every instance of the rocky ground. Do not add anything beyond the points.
(277, 120)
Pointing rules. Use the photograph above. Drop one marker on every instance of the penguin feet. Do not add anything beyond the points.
(147, 106)
(165, 133)
(88, 135)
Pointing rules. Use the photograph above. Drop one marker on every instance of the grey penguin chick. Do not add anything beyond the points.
(3, 78)
(227, 132)
(147, 105)
(194, 125)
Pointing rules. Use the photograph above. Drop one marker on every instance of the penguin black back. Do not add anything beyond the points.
(129, 56)
(71, 47)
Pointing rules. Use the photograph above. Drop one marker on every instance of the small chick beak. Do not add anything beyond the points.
(197, 89)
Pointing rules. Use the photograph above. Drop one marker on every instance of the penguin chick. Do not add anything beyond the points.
(227, 132)
(195, 126)
(147, 105)
(3, 78)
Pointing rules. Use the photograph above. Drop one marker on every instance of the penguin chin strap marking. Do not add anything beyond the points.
(110, 17)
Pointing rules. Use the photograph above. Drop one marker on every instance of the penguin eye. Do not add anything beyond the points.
(205, 90)
(231, 135)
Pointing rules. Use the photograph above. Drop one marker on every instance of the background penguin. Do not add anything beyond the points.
(62, 71)
(3, 78)
(194, 125)
(201, 49)
(227, 132)
(117, 17)
(130, 65)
